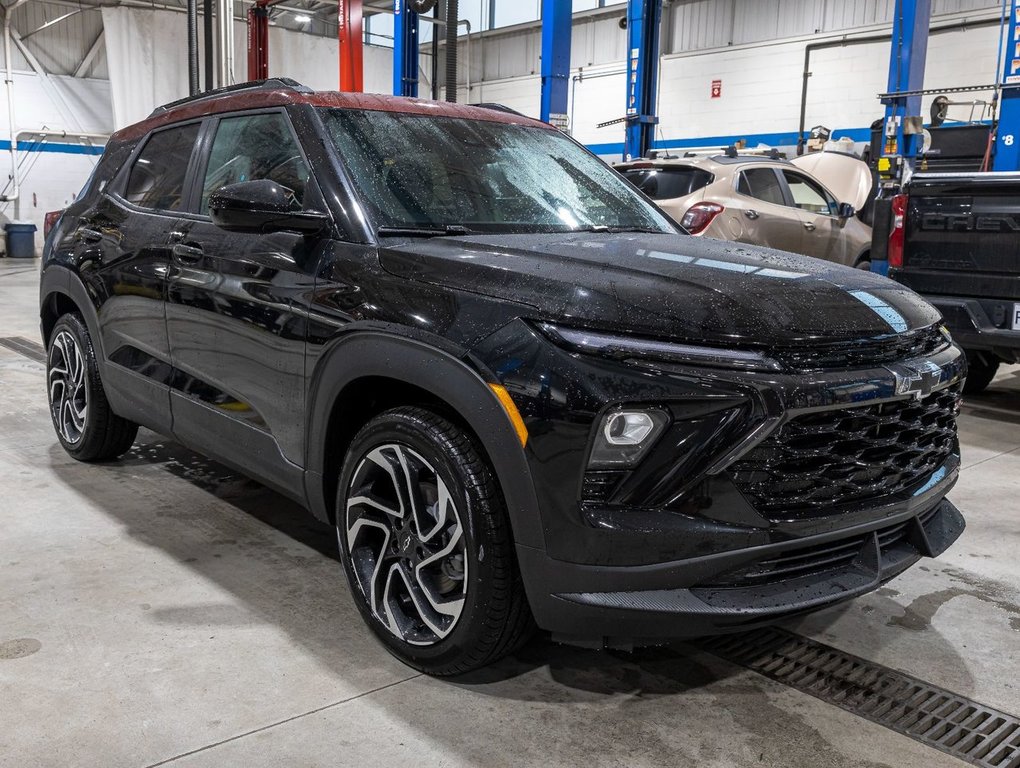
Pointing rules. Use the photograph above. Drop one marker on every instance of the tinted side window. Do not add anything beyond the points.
(808, 196)
(762, 184)
(157, 177)
(667, 183)
(252, 147)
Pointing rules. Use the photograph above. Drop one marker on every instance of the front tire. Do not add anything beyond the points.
(86, 426)
(981, 369)
(426, 545)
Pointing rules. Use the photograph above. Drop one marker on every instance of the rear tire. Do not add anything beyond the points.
(426, 545)
(981, 369)
(86, 426)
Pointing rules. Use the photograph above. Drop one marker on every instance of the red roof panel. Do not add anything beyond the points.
(257, 98)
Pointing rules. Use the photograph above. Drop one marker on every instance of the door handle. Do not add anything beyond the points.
(187, 254)
(751, 214)
(89, 235)
(809, 226)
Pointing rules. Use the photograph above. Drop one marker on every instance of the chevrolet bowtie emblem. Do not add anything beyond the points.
(916, 378)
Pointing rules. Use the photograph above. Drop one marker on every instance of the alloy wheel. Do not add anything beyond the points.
(406, 542)
(68, 389)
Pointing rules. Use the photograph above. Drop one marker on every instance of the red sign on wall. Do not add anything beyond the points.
(716, 89)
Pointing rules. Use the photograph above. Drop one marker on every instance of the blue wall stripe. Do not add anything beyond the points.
(63, 149)
(784, 139)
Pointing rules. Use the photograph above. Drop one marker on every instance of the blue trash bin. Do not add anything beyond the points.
(20, 239)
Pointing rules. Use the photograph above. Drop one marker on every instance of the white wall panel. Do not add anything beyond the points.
(761, 79)
(51, 180)
(315, 61)
(595, 100)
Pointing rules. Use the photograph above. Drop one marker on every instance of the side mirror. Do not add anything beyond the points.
(846, 211)
(262, 206)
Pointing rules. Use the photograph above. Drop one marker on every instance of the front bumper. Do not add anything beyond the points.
(704, 596)
(981, 324)
(680, 546)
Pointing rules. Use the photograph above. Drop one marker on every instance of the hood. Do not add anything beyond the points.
(668, 286)
(848, 178)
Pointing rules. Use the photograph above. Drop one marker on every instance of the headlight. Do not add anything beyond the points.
(624, 436)
(627, 347)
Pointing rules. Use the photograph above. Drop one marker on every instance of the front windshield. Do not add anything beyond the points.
(435, 172)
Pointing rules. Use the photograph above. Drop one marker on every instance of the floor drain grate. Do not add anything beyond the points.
(33, 350)
(939, 718)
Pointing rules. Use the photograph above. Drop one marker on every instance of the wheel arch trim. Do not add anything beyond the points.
(60, 280)
(364, 354)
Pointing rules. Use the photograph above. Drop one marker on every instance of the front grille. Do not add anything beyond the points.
(845, 456)
(864, 352)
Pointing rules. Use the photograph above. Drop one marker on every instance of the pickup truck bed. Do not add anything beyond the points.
(961, 251)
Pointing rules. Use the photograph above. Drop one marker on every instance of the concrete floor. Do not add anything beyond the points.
(165, 611)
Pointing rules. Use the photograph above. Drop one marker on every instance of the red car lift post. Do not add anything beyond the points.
(350, 37)
(258, 39)
(350, 34)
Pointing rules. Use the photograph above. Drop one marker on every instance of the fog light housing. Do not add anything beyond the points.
(624, 436)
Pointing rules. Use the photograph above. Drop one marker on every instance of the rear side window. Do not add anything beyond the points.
(761, 184)
(253, 147)
(667, 183)
(157, 177)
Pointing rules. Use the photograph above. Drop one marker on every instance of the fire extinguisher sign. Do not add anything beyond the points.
(716, 89)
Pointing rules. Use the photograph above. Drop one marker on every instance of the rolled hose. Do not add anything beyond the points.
(421, 6)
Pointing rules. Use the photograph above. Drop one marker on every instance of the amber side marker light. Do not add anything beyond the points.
(511, 411)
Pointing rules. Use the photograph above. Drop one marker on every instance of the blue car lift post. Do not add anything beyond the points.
(643, 18)
(901, 129)
(556, 20)
(1007, 135)
(405, 50)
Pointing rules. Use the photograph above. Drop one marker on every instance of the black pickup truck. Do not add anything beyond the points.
(955, 239)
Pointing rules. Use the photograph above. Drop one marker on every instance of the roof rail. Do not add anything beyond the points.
(271, 84)
(499, 108)
(733, 152)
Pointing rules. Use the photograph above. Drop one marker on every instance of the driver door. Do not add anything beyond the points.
(236, 337)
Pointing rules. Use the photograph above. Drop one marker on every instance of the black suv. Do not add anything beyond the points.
(520, 393)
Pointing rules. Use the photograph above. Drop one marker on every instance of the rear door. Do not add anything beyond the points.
(125, 237)
(236, 332)
(762, 212)
(817, 209)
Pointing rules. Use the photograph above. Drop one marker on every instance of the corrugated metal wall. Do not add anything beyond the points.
(700, 24)
(693, 25)
(61, 47)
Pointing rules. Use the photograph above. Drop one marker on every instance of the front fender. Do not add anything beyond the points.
(386, 354)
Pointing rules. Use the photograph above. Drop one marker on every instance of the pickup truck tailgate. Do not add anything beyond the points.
(962, 235)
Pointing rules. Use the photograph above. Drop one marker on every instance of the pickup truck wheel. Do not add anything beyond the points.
(981, 369)
(426, 546)
(86, 426)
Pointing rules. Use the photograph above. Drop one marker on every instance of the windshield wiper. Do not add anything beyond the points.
(614, 230)
(440, 231)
